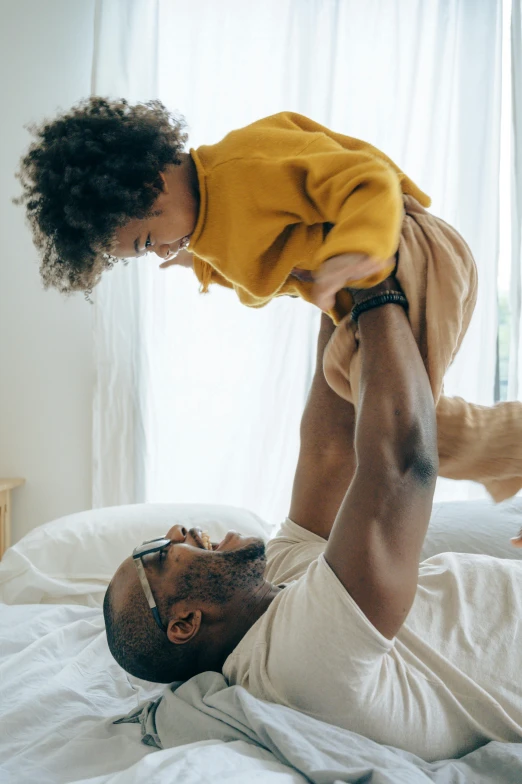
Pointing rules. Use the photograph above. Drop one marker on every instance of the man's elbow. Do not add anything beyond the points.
(421, 456)
(424, 468)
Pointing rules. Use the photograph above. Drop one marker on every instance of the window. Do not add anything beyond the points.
(504, 260)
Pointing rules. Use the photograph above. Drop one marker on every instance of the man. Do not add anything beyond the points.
(338, 620)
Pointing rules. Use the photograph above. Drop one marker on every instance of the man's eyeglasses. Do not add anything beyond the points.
(150, 546)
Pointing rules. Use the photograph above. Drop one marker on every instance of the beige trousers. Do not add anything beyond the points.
(438, 275)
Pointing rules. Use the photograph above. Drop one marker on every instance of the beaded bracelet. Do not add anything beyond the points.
(396, 297)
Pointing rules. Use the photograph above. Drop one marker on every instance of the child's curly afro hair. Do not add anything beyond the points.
(89, 172)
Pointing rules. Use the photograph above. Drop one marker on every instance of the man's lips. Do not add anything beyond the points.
(195, 535)
(230, 535)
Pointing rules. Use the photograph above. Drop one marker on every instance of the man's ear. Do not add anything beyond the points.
(184, 626)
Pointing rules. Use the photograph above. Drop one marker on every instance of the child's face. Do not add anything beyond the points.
(176, 212)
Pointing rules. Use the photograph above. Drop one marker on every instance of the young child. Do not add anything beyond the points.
(283, 206)
(280, 194)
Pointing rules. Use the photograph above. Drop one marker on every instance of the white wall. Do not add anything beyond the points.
(46, 364)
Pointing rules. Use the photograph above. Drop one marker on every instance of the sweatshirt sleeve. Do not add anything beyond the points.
(360, 195)
(256, 198)
(206, 274)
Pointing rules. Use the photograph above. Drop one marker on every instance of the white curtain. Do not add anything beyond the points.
(515, 360)
(125, 65)
(198, 397)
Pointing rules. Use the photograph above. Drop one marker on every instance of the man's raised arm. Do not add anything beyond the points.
(376, 539)
(326, 462)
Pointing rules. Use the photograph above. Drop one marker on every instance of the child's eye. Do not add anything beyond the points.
(147, 242)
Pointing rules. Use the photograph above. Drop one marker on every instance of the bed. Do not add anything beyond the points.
(61, 692)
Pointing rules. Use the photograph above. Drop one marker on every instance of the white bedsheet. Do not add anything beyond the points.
(60, 687)
(60, 690)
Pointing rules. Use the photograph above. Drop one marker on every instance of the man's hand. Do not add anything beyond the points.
(389, 284)
(343, 271)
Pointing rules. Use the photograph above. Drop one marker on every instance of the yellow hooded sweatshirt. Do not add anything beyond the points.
(286, 192)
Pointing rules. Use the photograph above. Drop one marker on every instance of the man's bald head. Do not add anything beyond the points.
(134, 639)
(201, 597)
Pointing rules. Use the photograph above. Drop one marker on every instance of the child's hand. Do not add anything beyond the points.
(338, 272)
(182, 259)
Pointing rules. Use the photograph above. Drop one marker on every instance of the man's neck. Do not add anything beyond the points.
(238, 621)
(259, 604)
(250, 612)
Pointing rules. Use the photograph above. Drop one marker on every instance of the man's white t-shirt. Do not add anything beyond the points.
(450, 681)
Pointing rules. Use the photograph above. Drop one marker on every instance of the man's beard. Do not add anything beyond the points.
(217, 579)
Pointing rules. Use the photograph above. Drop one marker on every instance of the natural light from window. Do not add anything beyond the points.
(504, 259)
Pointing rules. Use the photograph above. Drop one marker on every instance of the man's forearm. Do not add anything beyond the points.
(326, 462)
(376, 539)
(395, 393)
(327, 426)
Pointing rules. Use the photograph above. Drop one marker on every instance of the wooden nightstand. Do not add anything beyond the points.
(6, 485)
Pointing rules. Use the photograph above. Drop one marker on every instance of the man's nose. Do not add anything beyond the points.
(177, 534)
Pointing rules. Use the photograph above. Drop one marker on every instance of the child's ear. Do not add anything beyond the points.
(164, 180)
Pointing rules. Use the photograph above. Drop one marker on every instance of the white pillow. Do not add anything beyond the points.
(474, 527)
(72, 559)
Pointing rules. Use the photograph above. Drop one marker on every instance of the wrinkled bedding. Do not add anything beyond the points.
(61, 691)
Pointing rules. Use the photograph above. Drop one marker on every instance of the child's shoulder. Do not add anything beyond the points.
(284, 133)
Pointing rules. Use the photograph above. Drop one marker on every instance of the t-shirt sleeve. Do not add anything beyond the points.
(319, 629)
(291, 551)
